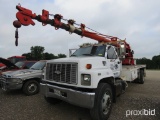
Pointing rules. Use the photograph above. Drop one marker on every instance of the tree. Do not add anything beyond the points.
(28, 56)
(147, 62)
(150, 64)
(37, 52)
(62, 56)
(49, 56)
(156, 61)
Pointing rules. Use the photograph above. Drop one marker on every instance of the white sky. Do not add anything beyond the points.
(136, 20)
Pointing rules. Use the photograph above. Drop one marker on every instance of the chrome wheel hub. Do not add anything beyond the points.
(32, 88)
(106, 103)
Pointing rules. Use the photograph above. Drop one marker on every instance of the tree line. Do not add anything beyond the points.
(37, 53)
(153, 63)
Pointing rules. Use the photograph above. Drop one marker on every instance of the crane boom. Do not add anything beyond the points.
(25, 17)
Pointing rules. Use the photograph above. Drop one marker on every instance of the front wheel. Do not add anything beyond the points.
(31, 87)
(103, 102)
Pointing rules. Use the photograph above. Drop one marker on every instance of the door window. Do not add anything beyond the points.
(111, 53)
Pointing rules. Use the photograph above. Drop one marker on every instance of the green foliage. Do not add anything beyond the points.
(37, 53)
(28, 56)
(150, 64)
(156, 60)
(49, 56)
(61, 56)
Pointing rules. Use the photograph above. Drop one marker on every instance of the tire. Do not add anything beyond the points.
(31, 87)
(141, 77)
(124, 84)
(52, 100)
(103, 102)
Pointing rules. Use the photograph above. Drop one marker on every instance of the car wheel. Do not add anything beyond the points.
(31, 87)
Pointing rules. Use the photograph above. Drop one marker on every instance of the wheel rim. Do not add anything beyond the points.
(32, 88)
(106, 103)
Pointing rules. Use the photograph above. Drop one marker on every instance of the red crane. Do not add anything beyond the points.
(25, 17)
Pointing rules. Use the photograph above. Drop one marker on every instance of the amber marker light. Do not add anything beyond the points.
(88, 66)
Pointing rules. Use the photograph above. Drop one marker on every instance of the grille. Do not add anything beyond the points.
(62, 72)
(3, 78)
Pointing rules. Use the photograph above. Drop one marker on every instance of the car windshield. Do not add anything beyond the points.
(90, 51)
(38, 65)
(15, 60)
(20, 64)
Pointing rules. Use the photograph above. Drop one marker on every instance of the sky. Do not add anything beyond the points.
(137, 21)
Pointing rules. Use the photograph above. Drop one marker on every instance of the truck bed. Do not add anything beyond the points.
(130, 72)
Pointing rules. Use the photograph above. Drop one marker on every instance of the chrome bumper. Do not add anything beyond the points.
(10, 86)
(79, 98)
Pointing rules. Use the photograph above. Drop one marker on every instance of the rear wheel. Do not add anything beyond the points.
(103, 102)
(141, 77)
(31, 87)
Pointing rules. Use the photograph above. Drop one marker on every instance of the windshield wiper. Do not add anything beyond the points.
(88, 54)
(73, 55)
(33, 68)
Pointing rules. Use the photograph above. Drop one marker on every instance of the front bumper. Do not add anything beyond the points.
(79, 98)
(10, 86)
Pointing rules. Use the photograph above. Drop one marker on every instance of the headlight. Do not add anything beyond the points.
(15, 80)
(85, 79)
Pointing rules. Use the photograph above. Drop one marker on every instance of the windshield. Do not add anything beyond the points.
(38, 65)
(90, 51)
(15, 60)
(20, 64)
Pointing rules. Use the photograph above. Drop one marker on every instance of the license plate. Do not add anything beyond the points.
(57, 92)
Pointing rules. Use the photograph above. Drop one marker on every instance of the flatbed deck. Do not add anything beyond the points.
(131, 72)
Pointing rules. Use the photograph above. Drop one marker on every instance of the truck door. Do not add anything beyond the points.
(113, 61)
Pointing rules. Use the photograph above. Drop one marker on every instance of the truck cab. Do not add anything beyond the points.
(92, 72)
(107, 52)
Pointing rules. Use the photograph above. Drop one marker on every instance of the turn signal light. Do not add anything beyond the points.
(88, 66)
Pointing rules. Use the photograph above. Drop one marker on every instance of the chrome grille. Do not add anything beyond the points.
(3, 78)
(62, 72)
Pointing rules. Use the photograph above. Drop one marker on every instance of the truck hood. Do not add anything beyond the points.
(8, 63)
(77, 59)
(19, 73)
(97, 62)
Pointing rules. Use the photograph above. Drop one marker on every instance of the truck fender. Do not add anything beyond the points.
(111, 82)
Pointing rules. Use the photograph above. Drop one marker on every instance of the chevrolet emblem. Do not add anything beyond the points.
(57, 72)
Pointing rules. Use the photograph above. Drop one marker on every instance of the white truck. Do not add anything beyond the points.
(94, 75)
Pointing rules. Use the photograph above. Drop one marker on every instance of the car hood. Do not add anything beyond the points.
(8, 63)
(23, 72)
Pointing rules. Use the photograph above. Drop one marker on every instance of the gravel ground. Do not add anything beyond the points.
(16, 106)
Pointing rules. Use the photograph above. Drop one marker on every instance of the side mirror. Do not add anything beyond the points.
(109, 47)
(132, 52)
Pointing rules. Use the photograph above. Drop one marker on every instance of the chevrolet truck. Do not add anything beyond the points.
(94, 75)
